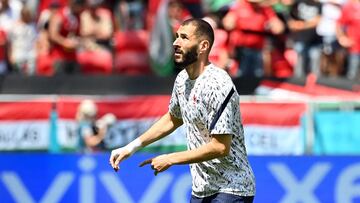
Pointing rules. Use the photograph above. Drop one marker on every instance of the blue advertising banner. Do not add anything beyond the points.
(88, 179)
(51, 178)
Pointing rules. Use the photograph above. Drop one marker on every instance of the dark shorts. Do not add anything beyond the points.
(222, 198)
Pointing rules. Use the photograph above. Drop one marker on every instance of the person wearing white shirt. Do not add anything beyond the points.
(205, 100)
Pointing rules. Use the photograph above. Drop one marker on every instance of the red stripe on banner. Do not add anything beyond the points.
(283, 85)
(278, 114)
(141, 107)
(29, 110)
(135, 107)
(312, 90)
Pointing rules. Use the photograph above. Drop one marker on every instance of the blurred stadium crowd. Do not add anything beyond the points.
(275, 38)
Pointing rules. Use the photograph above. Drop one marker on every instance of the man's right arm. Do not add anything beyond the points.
(163, 127)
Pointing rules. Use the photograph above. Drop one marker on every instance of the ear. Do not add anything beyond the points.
(204, 46)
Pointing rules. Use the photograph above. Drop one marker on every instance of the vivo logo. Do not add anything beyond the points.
(87, 185)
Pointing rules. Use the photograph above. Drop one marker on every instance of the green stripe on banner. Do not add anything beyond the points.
(164, 148)
(54, 146)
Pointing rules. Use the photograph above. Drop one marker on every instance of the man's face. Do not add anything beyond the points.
(185, 46)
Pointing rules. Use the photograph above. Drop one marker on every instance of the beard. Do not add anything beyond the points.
(189, 57)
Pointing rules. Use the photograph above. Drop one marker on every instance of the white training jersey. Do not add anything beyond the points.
(196, 102)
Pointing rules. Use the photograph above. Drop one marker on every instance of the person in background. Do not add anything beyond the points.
(130, 14)
(90, 130)
(305, 16)
(96, 31)
(177, 14)
(64, 34)
(205, 100)
(278, 64)
(96, 25)
(44, 61)
(332, 54)
(9, 13)
(219, 54)
(22, 42)
(32, 5)
(3, 52)
(47, 13)
(249, 23)
(195, 7)
(348, 35)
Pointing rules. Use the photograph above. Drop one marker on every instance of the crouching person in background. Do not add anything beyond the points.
(92, 131)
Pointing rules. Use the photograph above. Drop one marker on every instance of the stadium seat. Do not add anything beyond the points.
(93, 62)
(44, 65)
(131, 52)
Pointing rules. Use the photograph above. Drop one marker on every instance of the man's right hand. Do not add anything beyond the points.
(117, 156)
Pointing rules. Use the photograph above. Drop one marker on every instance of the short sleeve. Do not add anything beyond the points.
(174, 106)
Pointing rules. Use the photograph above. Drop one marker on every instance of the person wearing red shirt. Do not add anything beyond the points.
(64, 29)
(3, 48)
(249, 21)
(349, 36)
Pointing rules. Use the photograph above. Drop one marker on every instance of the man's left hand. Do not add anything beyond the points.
(159, 163)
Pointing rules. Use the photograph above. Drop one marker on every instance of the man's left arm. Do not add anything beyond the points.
(219, 146)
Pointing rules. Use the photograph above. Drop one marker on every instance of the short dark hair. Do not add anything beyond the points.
(203, 29)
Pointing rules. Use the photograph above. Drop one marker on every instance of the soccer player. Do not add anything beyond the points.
(204, 98)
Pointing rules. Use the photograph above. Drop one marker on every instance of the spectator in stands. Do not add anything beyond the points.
(32, 5)
(43, 59)
(64, 33)
(90, 130)
(3, 54)
(97, 31)
(177, 14)
(194, 7)
(22, 40)
(348, 33)
(130, 14)
(219, 54)
(9, 13)
(332, 55)
(47, 13)
(304, 18)
(96, 25)
(249, 21)
(277, 62)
